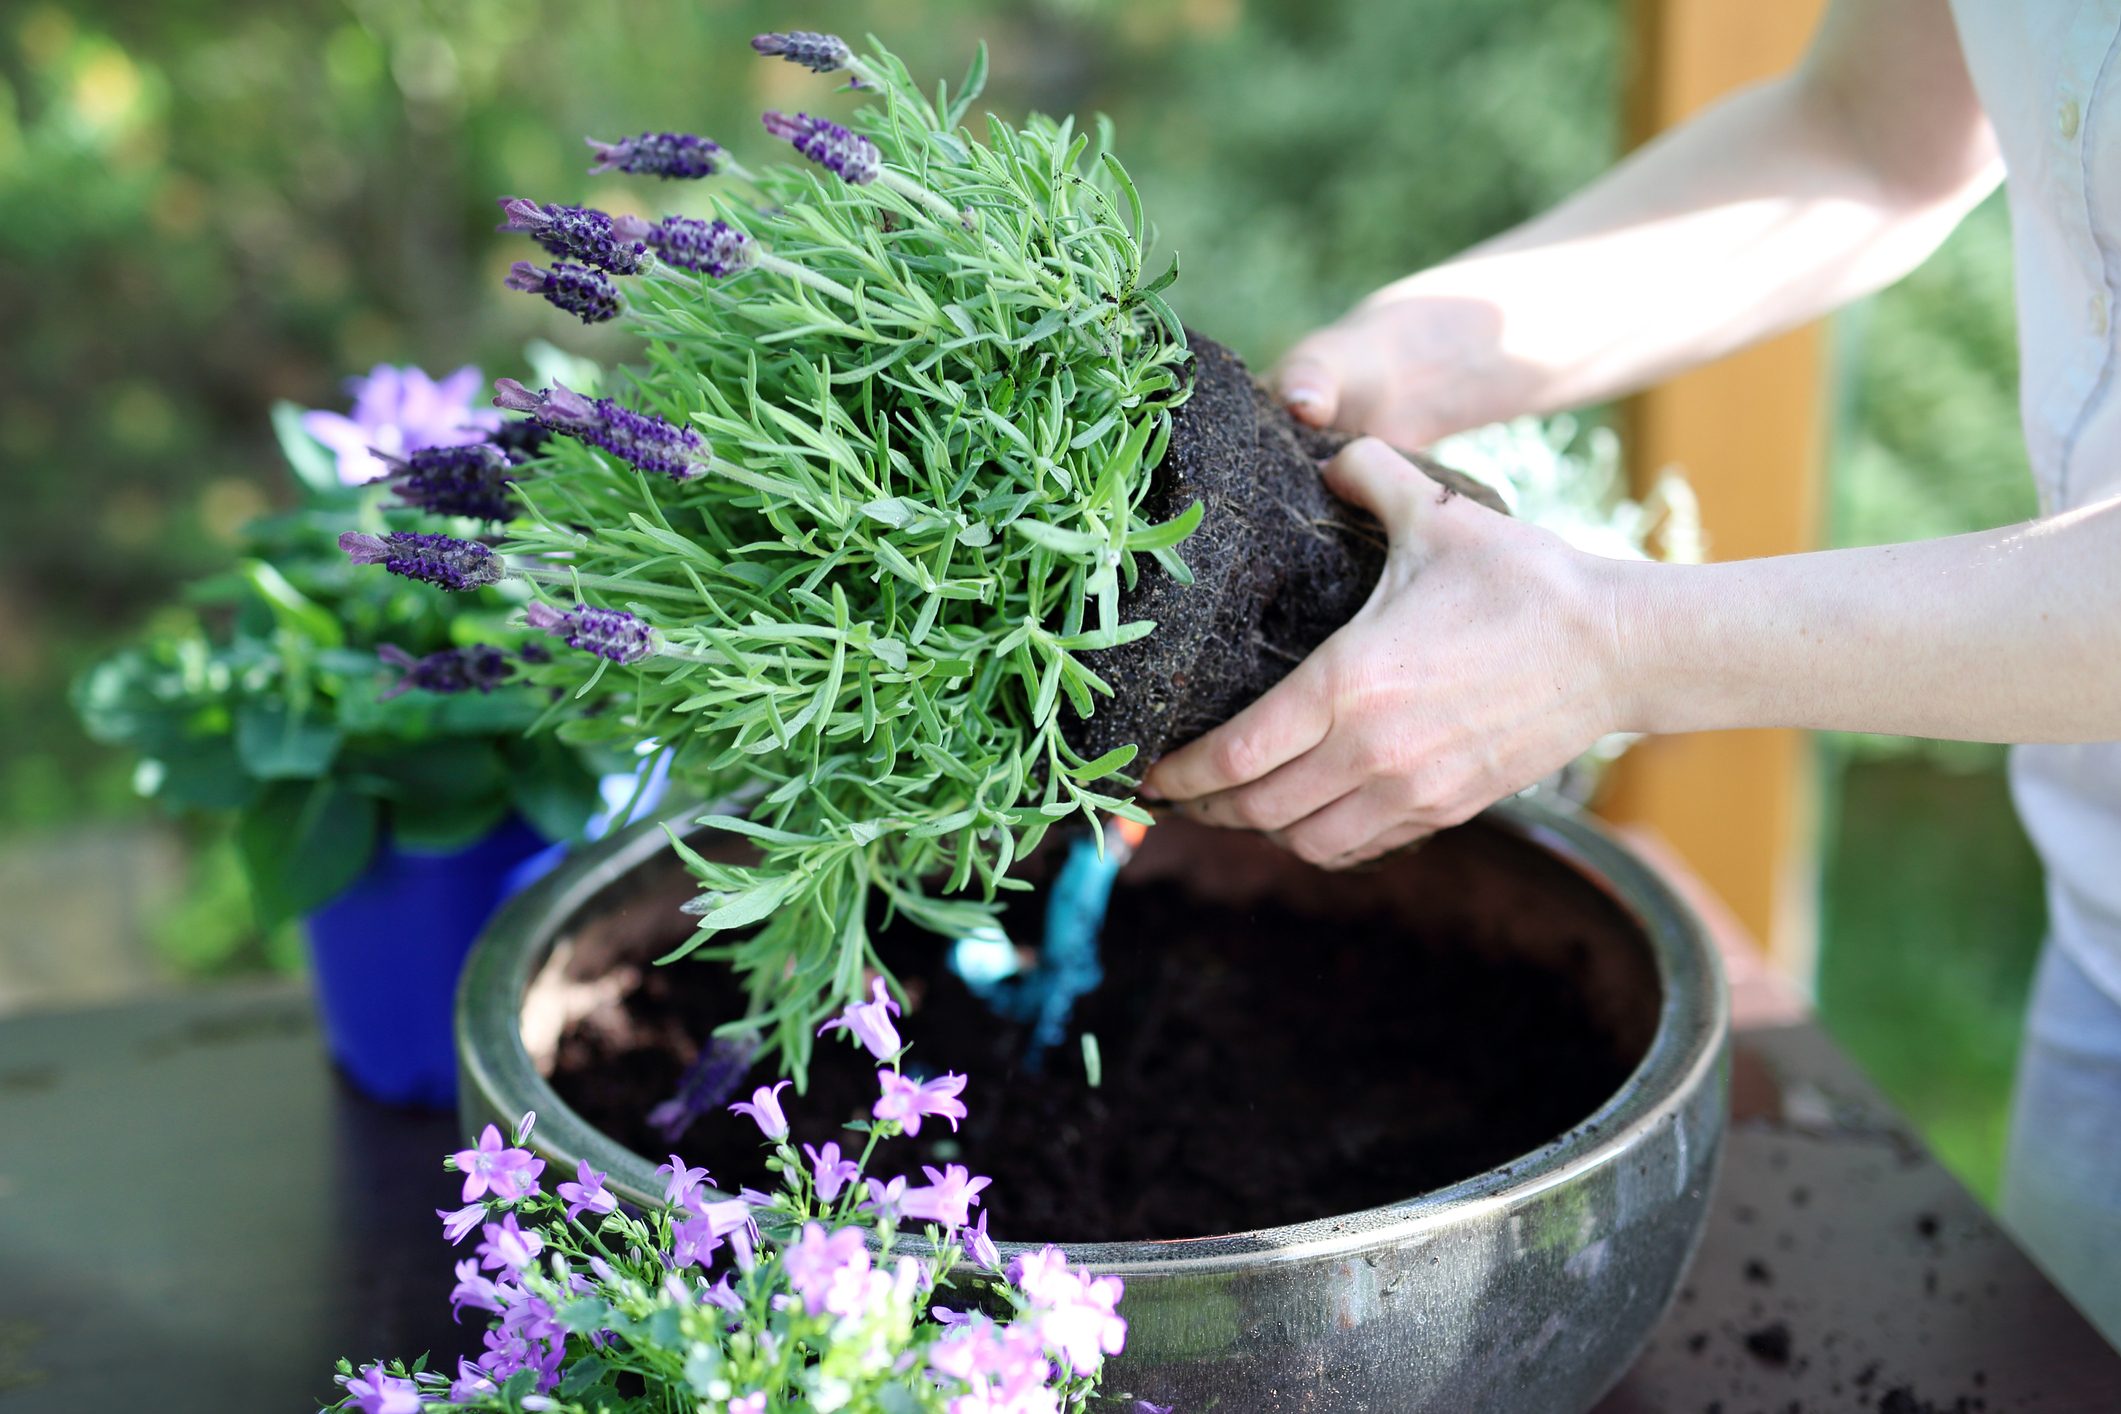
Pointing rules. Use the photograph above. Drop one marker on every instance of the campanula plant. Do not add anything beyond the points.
(807, 1297)
(329, 709)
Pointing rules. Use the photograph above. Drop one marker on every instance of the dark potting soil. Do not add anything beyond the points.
(1279, 563)
(1260, 1067)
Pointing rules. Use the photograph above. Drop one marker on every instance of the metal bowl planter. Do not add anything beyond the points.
(1526, 1289)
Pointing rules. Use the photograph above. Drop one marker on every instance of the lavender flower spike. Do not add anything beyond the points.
(850, 156)
(614, 244)
(608, 633)
(672, 156)
(587, 294)
(440, 560)
(480, 668)
(636, 438)
(819, 53)
(454, 481)
(713, 248)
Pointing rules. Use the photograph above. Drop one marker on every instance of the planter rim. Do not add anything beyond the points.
(1686, 1048)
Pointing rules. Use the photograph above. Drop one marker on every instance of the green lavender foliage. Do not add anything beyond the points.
(932, 436)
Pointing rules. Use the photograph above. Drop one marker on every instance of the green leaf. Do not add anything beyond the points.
(443, 826)
(1171, 532)
(549, 786)
(1114, 760)
(277, 743)
(292, 609)
(974, 85)
(303, 843)
(205, 774)
(1073, 543)
(308, 458)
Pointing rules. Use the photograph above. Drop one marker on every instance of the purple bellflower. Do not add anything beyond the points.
(374, 1392)
(819, 53)
(617, 245)
(492, 1167)
(713, 248)
(831, 1172)
(399, 411)
(870, 1022)
(585, 293)
(683, 1180)
(458, 1225)
(764, 1107)
(587, 1193)
(848, 155)
(612, 634)
(470, 480)
(441, 560)
(666, 155)
(506, 1246)
(947, 1198)
(479, 668)
(636, 438)
(907, 1103)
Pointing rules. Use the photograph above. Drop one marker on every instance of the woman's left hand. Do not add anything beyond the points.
(1487, 658)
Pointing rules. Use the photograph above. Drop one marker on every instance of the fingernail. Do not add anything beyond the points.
(1148, 792)
(1302, 397)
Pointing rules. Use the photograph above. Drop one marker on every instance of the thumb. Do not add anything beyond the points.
(1309, 381)
(1369, 474)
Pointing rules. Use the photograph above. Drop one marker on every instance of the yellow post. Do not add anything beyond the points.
(1750, 434)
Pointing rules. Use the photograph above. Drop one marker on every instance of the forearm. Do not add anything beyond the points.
(2010, 635)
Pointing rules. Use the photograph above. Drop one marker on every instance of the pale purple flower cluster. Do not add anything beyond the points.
(714, 248)
(479, 668)
(764, 1107)
(441, 560)
(637, 438)
(829, 1271)
(667, 155)
(1076, 1314)
(396, 412)
(830, 1173)
(374, 1392)
(496, 1167)
(611, 634)
(586, 293)
(819, 53)
(587, 1193)
(617, 245)
(848, 155)
(468, 480)
(1004, 1369)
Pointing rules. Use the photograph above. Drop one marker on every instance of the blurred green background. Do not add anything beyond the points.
(206, 205)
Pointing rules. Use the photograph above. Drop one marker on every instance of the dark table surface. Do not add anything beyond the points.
(195, 1214)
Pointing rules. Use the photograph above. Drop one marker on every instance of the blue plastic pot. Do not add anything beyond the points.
(387, 952)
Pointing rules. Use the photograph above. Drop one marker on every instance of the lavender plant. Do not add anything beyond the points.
(843, 537)
(765, 1302)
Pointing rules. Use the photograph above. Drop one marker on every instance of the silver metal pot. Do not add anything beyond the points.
(1527, 1289)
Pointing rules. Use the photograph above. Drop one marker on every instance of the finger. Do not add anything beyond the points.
(1309, 382)
(1351, 827)
(1369, 474)
(1286, 794)
(1386, 845)
(1290, 719)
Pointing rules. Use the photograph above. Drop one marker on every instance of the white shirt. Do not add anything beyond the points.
(2049, 73)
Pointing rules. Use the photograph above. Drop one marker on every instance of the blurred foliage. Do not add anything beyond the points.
(212, 204)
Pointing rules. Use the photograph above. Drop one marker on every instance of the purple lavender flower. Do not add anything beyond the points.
(819, 53)
(440, 560)
(947, 1198)
(830, 1171)
(522, 439)
(666, 155)
(399, 411)
(850, 156)
(609, 633)
(588, 1193)
(458, 1225)
(636, 438)
(505, 1246)
(682, 1179)
(905, 1103)
(374, 1392)
(713, 248)
(469, 480)
(479, 668)
(492, 1167)
(617, 245)
(587, 294)
(870, 1022)
(711, 1078)
(764, 1107)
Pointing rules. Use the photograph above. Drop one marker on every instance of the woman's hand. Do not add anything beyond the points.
(1485, 660)
(1407, 365)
